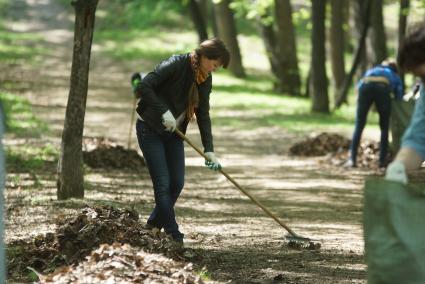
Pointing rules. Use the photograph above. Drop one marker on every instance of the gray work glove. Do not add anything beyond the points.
(396, 171)
(169, 121)
(212, 161)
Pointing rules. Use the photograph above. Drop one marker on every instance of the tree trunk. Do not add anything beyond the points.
(269, 39)
(198, 20)
(402, 24)
(342, 97)
(70, 181)
(337, 43)
(377, 39)
(227, 32)
(319, 80)
(358, 23)
(2, 204)
(287, 48)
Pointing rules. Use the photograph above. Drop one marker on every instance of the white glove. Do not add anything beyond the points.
(396, 171)
(212, 161)
(169, 121)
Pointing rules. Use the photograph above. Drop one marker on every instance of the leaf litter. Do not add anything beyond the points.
(114, 245)
(99, 152)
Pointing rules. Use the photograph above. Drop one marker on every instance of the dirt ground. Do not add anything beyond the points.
(234, 240)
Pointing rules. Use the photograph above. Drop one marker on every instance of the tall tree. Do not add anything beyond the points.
(357, 26)
(291, 82)
(319, 80)
(70, 181)
(377, 40)
(342, 97)
(337, 43)
(198, 19)
(227, 32)
(402, 24)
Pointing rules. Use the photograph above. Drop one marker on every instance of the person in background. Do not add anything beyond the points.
(176, 91)
(411, 59)
(375, 87)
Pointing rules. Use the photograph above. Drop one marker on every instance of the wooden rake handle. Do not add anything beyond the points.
(253, 199)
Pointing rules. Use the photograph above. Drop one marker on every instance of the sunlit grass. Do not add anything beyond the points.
(251, 103)
(19, 117)
(30, 158)
(19, 46)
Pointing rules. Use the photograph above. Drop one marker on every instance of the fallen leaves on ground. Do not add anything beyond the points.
(77, 237)
(99, 152)
(119, 263)
(336, 148)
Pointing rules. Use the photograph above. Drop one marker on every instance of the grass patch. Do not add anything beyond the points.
(31, 158)
(153, 45)
(250, 103)
(15, 46)
(19, 117)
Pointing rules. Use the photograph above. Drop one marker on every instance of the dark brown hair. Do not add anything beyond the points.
(412, 50)
(214, 49)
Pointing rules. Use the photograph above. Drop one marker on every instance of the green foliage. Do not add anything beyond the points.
(30, 158)
(3, 6)
(204, 274)
(141, 14)
(19, 117)
(19, 46)
(250, 104)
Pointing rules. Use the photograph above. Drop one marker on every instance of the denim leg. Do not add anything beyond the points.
(174, 149)
(155, 153)
(363, 105)
(383, 106)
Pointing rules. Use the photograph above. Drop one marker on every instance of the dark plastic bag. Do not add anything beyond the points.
(401, 113)
(394, 231)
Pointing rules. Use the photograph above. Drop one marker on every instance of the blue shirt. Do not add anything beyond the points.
(414, 137)
(385, 71)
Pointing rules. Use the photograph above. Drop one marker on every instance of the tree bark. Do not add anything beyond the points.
(198, 20)
(227, 32)
(358, 23)
(337, 44)
(269, 39)
(70, 181)
(402, 25)
(377, 43)
(342, 98)
(291, 82)
(319, 80)
(2, 203)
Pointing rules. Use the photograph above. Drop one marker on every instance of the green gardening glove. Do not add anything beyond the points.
(212, 162)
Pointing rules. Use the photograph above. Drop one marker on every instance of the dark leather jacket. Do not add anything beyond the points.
(167, 88)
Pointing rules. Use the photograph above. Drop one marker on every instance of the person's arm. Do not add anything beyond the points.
(153, 81)
(414, 137)
(412, 152)
(203, 115)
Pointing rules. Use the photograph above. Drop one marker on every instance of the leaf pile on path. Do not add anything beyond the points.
(367, 157)
(119, 263)
(336, 148)
(320, 145)
(99, 152)
(77, 237)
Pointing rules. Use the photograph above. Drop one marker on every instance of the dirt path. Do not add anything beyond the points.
(237, 241)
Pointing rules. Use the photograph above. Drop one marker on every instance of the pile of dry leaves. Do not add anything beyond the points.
(320, 145)
(76, 238)
(336, 148)
(99, 152)
(119, 263)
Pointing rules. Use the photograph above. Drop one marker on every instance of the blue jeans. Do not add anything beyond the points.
(164, 156)
(379, 94)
